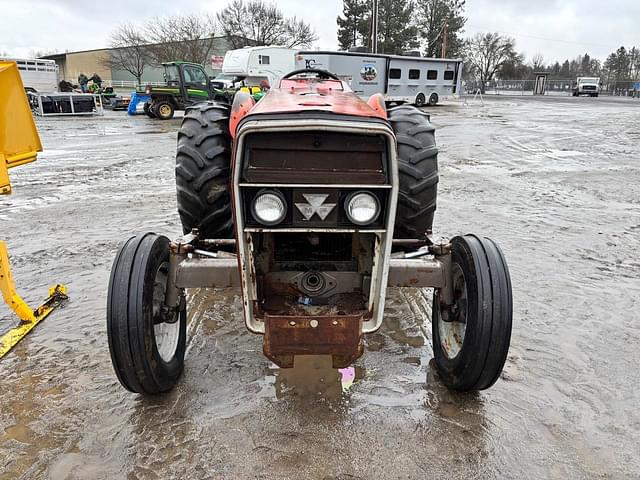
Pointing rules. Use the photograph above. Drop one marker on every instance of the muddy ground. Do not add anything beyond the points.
(555, 181)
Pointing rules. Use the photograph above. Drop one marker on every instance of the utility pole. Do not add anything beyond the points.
(374, 27)
(445, 34)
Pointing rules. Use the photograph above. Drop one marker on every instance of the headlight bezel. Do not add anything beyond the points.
(278, 194)
(351, 197)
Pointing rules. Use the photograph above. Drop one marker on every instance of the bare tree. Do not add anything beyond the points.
(36, 53)
(537, 62)
(129, 51)
(485, 53)
(188, 38)
(254, 22)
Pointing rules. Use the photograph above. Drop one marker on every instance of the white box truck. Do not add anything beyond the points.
(401, 79)
(253, 65)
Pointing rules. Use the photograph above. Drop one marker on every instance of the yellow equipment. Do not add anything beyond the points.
(19, 144)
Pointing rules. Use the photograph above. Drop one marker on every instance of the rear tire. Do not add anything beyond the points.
(470, 347)
(417, 171)
(147, 110)
(202, 171)
(433, 100)
(420, 100)
(147, 352)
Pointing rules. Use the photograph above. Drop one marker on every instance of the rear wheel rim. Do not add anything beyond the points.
(452, 333)
(166, 334)
(165, 110)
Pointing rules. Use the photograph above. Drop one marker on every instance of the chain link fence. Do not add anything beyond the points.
(623, 88)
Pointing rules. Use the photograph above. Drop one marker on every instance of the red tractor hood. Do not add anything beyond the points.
(308, 95)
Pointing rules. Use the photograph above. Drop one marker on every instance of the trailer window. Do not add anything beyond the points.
(395, 73)
(414, 74)
(448, 75)
(432, 74)
(264, 59)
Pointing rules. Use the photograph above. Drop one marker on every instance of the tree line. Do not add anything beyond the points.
(192, 38)
(425, 25)
(403, 25)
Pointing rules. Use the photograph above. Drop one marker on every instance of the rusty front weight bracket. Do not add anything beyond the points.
(415, 270)
(428, 266)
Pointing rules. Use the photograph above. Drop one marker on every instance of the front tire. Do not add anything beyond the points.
(147, 348)
(420, 100)
(417, 171)
(163, 110)
(433, 99)
(202, 171)
(471, 340)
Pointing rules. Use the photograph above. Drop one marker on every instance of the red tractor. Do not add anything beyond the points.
(313, 202)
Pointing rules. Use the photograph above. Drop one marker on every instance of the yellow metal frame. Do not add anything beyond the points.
(30, 318)
(19, 144)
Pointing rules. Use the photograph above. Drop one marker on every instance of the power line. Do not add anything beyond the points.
(544, 38)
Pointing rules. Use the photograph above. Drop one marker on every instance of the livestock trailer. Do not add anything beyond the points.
(401, 79)
(38, 75)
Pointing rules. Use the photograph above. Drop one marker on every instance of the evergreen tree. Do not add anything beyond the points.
(396, 30)
(353, 25)
(432, 17)
(617, 64)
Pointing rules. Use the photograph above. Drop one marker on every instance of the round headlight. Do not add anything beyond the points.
(269, 208)
(362, 208)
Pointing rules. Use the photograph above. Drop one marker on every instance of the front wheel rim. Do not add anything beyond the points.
(165, 110)
(166, 334)
(452, 333)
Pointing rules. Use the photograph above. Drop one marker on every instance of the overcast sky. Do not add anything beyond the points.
(557, 29)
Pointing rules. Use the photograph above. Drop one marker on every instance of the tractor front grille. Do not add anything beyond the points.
(315, 158)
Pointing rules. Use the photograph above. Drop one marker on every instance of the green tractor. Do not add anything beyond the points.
(185, 84)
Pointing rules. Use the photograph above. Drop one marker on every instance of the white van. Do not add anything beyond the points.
(257, 64)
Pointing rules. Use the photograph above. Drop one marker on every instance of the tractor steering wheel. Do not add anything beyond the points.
(321, 74)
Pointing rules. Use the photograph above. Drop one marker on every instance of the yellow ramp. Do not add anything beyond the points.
(19, 144)
(19, 139)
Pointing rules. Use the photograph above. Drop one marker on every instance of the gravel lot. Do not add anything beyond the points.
(556, 181)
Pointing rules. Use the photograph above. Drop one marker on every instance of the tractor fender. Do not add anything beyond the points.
(243, 102)
(376, 101)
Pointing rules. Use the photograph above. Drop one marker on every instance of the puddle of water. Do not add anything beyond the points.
(312, 377)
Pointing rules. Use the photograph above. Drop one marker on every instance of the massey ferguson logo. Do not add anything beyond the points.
(315, 204)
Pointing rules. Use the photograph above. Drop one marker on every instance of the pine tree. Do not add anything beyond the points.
(433, 15)
(396, 30)
(353, 25)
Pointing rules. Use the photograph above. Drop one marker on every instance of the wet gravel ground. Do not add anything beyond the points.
(556, 181)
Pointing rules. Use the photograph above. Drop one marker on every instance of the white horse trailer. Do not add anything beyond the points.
(256, 64)
(38, 75)
(401, 79)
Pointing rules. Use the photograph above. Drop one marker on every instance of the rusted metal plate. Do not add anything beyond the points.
(339, 336)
